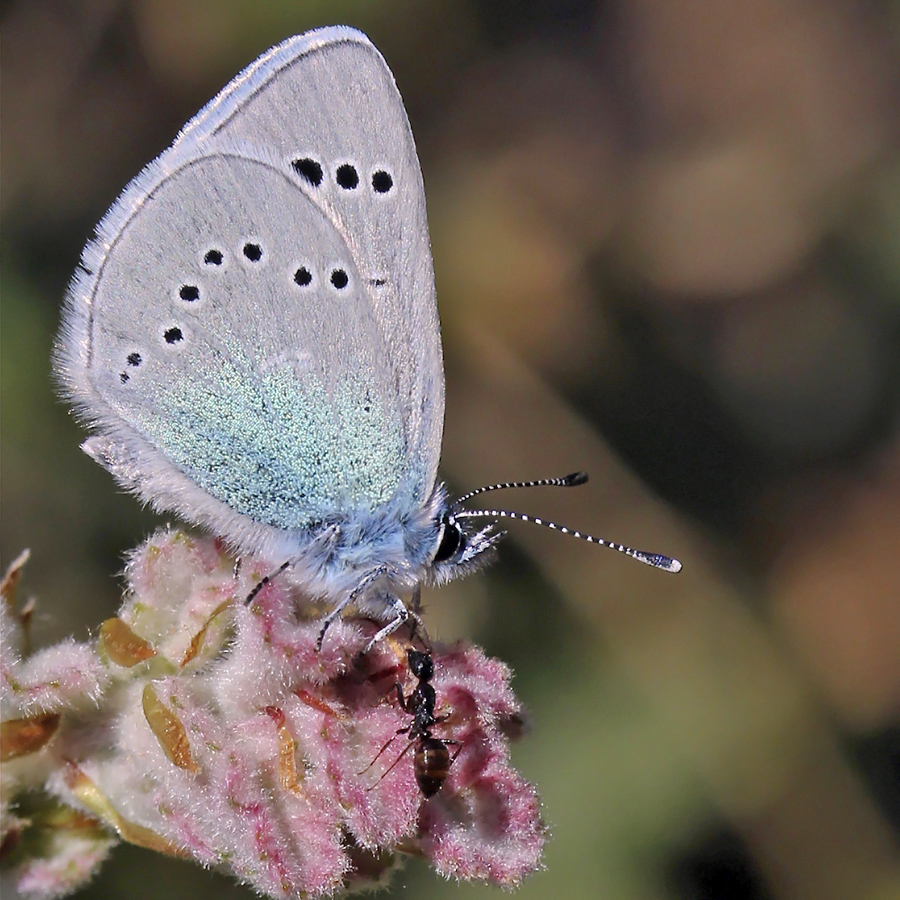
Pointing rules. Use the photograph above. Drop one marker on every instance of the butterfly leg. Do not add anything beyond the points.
(415, 605)
(367, 580)
(418, 626)
(401, 616)
(263, 582)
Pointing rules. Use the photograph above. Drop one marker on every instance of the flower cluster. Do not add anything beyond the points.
(205, 727)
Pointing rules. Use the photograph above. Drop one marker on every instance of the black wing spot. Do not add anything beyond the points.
(382, 181)
(213, 258)
(339, 279)
(133, 359)
(173, 335)
(123, 377)
(303, 276)
(309, 170)
(189, 292)
(378, 282)
(347, 177)
(253, 252)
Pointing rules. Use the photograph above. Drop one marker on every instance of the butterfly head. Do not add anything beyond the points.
(460, 550)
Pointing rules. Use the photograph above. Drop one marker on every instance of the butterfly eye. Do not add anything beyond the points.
(450, 540)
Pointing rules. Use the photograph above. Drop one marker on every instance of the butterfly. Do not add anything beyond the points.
(253, 334)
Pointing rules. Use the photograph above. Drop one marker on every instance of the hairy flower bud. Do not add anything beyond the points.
(202, 726)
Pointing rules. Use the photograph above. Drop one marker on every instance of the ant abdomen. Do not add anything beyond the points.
(432, 764)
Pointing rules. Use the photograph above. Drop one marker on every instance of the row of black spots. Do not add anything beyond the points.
(253, 252)
(339, 278)
(346, 175)
(303, 277)
(171, 336)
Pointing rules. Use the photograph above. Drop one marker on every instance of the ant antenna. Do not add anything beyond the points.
(573, 480)
(656, 560)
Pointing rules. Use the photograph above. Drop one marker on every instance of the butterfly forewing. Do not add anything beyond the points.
(325, 105)
(255, 332)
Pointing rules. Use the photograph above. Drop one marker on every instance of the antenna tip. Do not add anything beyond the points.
(658, 561)
(575, 479)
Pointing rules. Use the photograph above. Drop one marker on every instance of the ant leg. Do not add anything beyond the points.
(459, 746)
(386, 745)
(261, 584)
(405, 702)
(394, 763)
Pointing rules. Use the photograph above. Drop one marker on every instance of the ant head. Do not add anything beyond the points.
(421, 664)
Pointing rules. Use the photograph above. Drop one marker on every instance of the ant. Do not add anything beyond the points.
(432, 759)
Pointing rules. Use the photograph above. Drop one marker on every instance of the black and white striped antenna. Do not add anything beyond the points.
(572, 480)
(656, 560)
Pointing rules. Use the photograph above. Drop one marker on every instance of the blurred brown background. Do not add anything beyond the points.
(667, 244)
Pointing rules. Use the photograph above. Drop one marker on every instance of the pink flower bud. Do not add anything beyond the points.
(221, 733)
